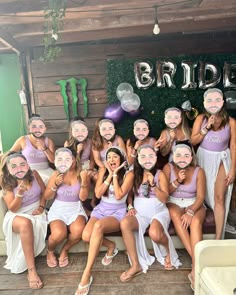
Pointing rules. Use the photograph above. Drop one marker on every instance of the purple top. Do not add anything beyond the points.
(216, 141)
(185, 191)
(33, 155)
(68, 193)
(103, 152)
(32, 195)
(151, 193)
(87, 152)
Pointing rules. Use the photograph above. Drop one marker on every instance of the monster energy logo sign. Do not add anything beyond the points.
(73, 82)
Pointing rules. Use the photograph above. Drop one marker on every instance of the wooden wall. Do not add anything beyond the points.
(89, 61)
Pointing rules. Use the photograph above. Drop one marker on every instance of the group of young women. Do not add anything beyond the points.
(131, 193)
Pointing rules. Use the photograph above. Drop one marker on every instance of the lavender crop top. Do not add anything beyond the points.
(33, 155)
(68, 193)
(216, 141)
(32, 195)
(185, 191)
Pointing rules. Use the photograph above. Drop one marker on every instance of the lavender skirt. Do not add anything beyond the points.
(104, 209)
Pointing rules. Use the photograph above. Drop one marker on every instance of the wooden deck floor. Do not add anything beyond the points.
(106, 279)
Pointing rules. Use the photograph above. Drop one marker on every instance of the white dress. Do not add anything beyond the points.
(16, 262)
(149, 209)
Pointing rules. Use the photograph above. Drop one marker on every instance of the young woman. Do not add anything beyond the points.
(68, 187)
(215, 132)
(80, 143)
(177, 129)
(149, 209)
(104, 137)
(112, 187)
(24, 224)
(140, 137)
(37, 148)
(187, 187)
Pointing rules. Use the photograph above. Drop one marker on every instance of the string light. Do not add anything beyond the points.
(156, 28)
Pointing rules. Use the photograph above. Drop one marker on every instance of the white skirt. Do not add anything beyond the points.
(210, 162)
(16, 262)
(66, 211)
(147, 211)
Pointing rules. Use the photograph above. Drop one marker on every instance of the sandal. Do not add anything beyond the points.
(126, 277)
(63, 262)
(108, 259)
(167, 264)
(84, 290)
(191, 281)
(53, 261)
(34, 284)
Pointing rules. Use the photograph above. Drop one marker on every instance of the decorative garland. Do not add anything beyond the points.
(154, 101)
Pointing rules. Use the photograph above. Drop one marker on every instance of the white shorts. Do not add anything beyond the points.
(182, 202)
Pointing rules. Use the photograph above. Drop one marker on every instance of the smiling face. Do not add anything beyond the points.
(63, 161)
(141, 130)
(37, 128)
(182, 156)
(147, 158)
(213, 102)
(79, 131)
(107, 130)
(113, 160)
(18, 167)
(173, 118)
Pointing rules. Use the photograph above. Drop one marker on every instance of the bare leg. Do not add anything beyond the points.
(24, 227)
(58, 234)
(76, 229)
(100, 227)
(175, 213)
(196, 234)
(157, 234)
(128, 225)
(219, 209)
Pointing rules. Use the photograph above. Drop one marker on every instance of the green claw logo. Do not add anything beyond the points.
(73, 82)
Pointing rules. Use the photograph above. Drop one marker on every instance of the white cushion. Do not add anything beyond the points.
(220, 280)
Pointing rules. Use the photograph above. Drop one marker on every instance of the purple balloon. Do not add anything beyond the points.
(135, 113)
(114, 112)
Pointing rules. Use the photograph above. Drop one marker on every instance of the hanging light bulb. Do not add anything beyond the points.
(156, 28)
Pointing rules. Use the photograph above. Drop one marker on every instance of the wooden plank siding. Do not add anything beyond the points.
(89, 61)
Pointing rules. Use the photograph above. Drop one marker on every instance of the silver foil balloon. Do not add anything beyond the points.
(122, 89)
(189, 75)
(143, 73)
(165, 73)
(230, 100)
(130, 102)
(229, 76)
(214, 72)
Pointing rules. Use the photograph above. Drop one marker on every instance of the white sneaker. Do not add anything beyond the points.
(230, 229)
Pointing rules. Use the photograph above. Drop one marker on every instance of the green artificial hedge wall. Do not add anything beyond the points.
(154, 101)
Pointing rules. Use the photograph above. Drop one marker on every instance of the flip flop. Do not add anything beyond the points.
(129, 277)
(53, 261)
(63, 262)
(106, 260)
(191, 281)
(84, 290)
(35, 284)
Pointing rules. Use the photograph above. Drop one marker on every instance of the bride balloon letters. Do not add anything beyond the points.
(209, 75)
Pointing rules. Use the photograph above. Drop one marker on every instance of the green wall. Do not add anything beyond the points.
(11, 111)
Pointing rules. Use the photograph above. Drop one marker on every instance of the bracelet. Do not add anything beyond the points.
(41, 206)
(208, 128)
(174, 185)
(106, 182)
(203, 131)
(133, 156)
(189, 213)
(19, 195)
(53, 189)
(153, 185)
(114, 175)
(56, 184)
(130, 207)
(45, 149)
(179, 181)
(84, 185)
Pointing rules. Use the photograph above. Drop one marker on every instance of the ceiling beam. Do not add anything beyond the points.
(9, 42)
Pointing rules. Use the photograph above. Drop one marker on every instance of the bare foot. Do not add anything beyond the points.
(33, 279)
